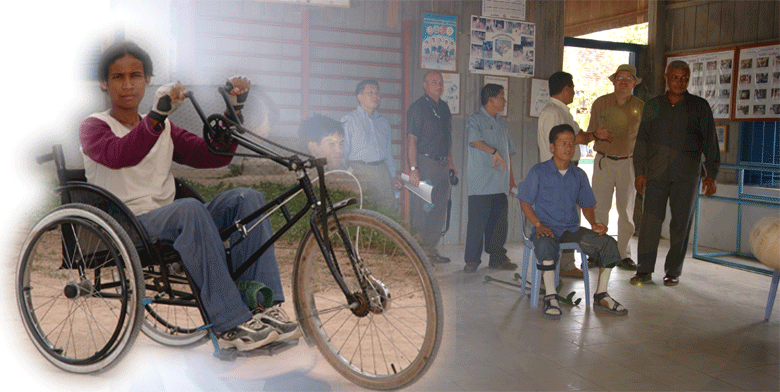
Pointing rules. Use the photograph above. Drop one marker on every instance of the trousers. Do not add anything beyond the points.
(487, 225)
(681, 196)
(193, 228)
(601, 248)
(615, 177)
(429, 224)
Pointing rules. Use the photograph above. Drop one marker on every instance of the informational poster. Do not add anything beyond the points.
(540, 95)
(502, 81)
(451, 92)
(758, 83)
(502, 47)
(507, 9)
(439, 34)
(711, 79)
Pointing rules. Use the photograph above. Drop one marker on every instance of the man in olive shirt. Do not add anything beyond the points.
(613, 170)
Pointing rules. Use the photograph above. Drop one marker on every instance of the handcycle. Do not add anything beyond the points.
(89, 278)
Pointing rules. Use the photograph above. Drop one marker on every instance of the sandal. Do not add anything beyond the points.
(614, 310)
(548, 307)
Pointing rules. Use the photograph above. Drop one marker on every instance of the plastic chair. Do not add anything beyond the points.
(528, 254)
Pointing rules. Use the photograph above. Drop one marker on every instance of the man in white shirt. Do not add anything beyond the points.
(556, 112)
(368, 147)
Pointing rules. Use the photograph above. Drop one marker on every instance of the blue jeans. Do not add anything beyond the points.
(194, 228)
(602, 248)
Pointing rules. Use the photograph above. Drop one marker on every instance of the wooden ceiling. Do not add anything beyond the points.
(588, 16)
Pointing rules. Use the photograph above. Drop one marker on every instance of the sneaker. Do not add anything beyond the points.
(277, 318)
(248, 336)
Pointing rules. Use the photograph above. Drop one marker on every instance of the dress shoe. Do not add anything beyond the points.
(437, 258)
(574, 273)
(671, 280)
(470, 268)
(641, 277)
(504, 265)
(628, 264)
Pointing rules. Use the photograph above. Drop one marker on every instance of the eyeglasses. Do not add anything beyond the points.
(626, 78)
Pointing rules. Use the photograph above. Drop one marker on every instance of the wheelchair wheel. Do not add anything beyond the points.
(173, 317)
(392, 337)
(79, 288)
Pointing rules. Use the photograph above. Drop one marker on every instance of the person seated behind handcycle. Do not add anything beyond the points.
(549, 196)
(324, 138)
(130, 155)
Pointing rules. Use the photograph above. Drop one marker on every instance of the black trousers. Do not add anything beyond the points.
(429, 224)
(487, 225)
(682, 202)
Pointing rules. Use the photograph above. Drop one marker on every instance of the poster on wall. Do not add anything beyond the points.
(502, 81)
(439, 34)
(758, 83)
(501, 47)
(451, 91)
(507, 9)
(540, 95)
(711, 78)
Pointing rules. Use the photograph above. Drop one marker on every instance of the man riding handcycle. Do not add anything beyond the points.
(225, 247)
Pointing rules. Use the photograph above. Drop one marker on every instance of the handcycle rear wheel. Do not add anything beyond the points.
(173, 318)
(391, 339)
(79, 288)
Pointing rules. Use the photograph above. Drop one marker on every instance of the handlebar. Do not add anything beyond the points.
(41, 159)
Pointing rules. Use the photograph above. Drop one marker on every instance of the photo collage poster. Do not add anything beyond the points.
(439, 34)
(502, 47)
(758, 83)
(451, 91)
(710, 78)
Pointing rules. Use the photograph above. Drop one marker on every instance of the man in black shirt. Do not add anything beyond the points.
(429, 125)
(677, 129)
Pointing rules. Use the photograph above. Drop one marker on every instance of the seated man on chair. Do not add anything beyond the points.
(130, 155)
(549, 197)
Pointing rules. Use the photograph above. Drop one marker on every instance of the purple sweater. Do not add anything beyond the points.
(100, 144)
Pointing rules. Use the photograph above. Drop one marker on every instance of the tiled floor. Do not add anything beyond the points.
(707, 334)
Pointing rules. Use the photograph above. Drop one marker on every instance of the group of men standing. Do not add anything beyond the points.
(655, 149)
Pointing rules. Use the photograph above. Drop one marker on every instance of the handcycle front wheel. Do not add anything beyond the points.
(392, 337)
(79, 288)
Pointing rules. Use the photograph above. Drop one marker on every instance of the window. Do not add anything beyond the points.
(760, 145)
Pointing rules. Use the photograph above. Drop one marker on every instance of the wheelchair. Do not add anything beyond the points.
(89, 279)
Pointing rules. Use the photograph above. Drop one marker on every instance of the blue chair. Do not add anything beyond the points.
(528, 255)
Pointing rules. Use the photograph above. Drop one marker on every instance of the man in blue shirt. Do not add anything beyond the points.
(549, 197)
(368, 147)
(489, 176)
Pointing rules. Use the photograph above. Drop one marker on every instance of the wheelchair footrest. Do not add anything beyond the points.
(230, 354)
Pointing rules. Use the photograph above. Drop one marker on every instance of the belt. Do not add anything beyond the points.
(435, 158)
(616, 157)
(612, 157)
(375, 163)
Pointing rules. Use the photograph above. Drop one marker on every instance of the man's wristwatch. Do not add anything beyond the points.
(537, 224)
(412, 168)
